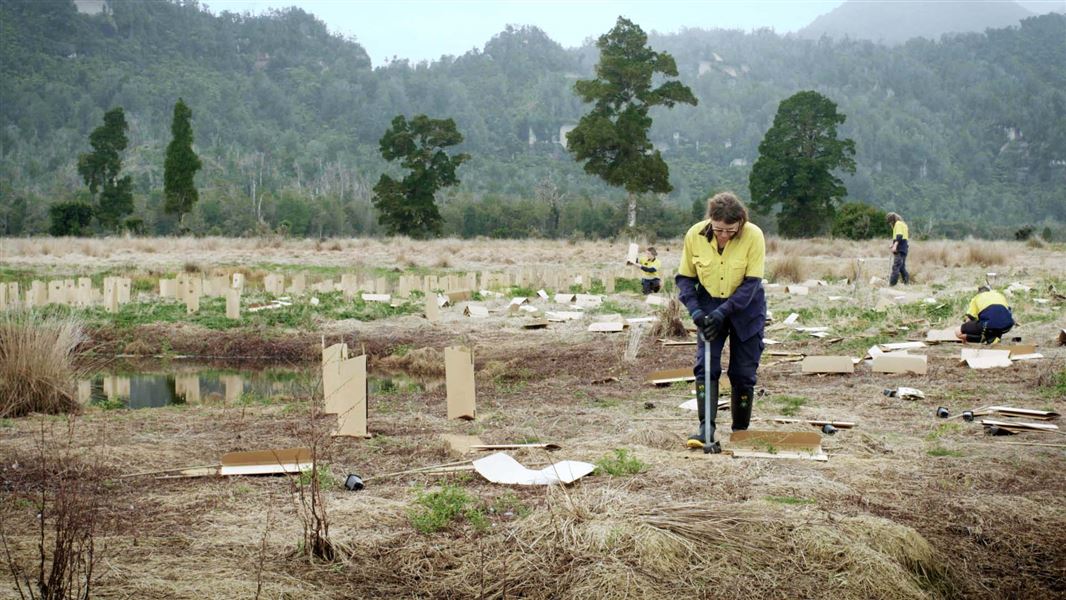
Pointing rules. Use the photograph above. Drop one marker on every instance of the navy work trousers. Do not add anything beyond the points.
(899, 269)
(743, 358)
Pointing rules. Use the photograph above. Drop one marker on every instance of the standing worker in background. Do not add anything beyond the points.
(900, 235)
(650, 283)
(987, 318)
(720, 282)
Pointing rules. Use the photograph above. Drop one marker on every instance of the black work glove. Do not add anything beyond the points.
(709, 324)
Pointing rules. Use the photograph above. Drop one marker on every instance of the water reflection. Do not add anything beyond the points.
(153, 389)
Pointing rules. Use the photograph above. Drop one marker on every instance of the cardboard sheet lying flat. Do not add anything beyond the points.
(670, 376)
(828, 364)
(935, 336)
(502, 468)
(900, 363)
(978, 358)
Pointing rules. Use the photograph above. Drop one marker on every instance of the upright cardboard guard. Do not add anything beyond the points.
(459, 378)
(351, 398)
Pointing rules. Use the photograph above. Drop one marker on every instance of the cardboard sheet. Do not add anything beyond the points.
(432, 309)
(502, 468)
(564, 298)
(980, 358)
(901, 346)
(670, 376)
(332, 357)
(1010, 411)
(563, 315)
(1019, 425)
(792, 440)
(1015, 350)
(377, 298)
(459, 379)
(657, 300)
(900, 363)
(266, 462)
(828, 364)
(607, 326)
(461, 444)
(791, 318)
(476, 310)
(815, 422)
(798, 290)
(691, 404)
(936, 336)
(233, 304)
(350, 398)
(535, 324)
(820, 457)
(631, 254)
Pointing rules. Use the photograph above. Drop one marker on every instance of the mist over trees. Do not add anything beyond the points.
(955, 134)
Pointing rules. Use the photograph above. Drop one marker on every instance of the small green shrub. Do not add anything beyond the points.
(859, 221)
(441, 508)
(620, 463)
(326, 479)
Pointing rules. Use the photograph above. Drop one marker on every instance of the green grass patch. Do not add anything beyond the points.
(790, 500)
(442, 508)
(611, 307)
(1056, 388)
(326, 480)
(942, 430)
(790, 405)
(941, 451)
(620, 463)
(509, 505)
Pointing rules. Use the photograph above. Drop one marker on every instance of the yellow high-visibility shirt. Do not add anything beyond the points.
(984, 300)
(721, 274)
(900, 228)
(651, 263)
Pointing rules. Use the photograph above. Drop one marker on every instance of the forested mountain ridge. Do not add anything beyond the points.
(957, 133)
(897, 22)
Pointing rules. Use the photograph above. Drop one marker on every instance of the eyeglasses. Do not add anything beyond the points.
(729, 231)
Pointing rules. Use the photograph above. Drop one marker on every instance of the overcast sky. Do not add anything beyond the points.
(426, 29)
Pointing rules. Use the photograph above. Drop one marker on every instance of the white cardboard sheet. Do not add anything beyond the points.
(502, 468)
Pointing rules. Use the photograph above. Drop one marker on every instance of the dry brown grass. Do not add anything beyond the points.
(426, 362)
(37, 372)
(671, 321)
(790, 268)
(612, 542)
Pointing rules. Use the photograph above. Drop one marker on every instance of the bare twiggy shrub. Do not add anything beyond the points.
(790, 269)
(37, 371)
(67, 494)
(307, 488)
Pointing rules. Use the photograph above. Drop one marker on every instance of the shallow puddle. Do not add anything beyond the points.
(188, 384)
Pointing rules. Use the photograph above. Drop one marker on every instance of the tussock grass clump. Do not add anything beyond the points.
(420, 361)
(671, 323)
(37, 373)
(789, 269)
(985, 254)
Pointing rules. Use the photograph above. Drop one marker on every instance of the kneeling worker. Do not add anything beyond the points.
(720, 282)
(987, 318)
